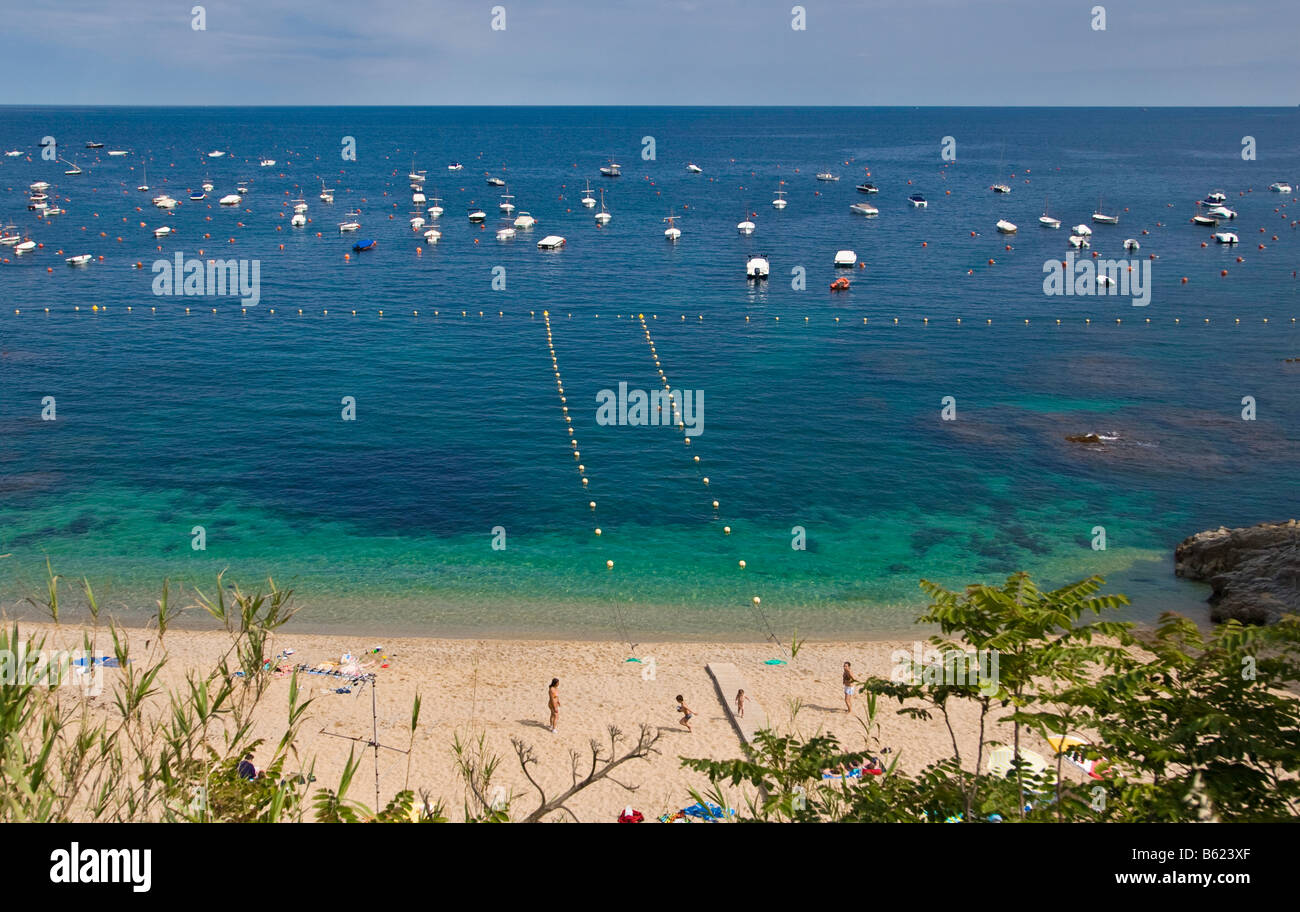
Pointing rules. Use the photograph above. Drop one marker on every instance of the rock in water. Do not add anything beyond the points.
(1254, 572)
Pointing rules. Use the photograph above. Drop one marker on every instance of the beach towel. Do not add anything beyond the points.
(631, 816)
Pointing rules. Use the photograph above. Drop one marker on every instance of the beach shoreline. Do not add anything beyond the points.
(497, 689)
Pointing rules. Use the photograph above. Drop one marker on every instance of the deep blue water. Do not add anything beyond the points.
(231, 420)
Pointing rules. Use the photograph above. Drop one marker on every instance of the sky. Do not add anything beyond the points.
(651, 52)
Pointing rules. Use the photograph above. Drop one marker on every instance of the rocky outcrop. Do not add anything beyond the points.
(1254, 572)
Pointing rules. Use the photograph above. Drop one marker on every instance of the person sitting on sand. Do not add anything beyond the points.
(849, 681)
(247, 770)
(687, 715)
(740, 704)
(553, 702)
(874, 766)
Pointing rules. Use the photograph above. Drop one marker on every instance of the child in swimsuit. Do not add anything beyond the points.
(687, 715)
(740, 704)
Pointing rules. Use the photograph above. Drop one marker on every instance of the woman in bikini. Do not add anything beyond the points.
(553, 701)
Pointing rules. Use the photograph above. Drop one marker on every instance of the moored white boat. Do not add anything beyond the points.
(779, 202)
(298, 220)
(431, 236)
(231, 199)
(1005, 227)
(694, 168)
(1131, 244)
(918, 201)
(551, 242)
(1225, 237)
(1078, 240)
(25, 246)
(1276, 186)
(756, 267)
(864, 209)
(162, 232)
(845, 259)
(267, 163)
(672, 232)
(79, 260)
(524, 220)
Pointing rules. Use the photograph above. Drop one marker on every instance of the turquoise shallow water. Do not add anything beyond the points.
(231, 420)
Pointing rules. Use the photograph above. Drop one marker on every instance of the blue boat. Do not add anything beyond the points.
(364, 244)
(198, 196)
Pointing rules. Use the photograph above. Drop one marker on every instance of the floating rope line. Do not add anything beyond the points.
(619, 621)
(677, 421)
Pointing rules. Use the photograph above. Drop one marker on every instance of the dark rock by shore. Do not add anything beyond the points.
(1254, 572)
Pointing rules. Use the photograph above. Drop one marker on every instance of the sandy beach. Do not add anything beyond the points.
(498, 688)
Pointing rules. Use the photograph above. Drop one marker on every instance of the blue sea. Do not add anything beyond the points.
(823, 411)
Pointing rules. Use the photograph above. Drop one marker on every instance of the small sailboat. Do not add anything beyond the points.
(25, 247)
(506, 232)
(1046, 220)
(587, 199)
(326, 194)
(779, 202)
(432, 235)
(300, 204)
(694, 168)
(998, 186)
(506, 205)
(417, 220)
(756, 268)
(1101, 218)
(415, 177)
(745, 226)
(603, 217)
(207, 185)
(144, 184)
(435, 210)
(73, 167)
(9, 235)
(672, 232)
(351, 224)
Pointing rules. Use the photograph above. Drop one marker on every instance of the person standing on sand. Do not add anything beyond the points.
(553, 702)
(740, 704)
(849, 681)
(687, 715)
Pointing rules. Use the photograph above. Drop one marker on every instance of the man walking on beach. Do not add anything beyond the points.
(849, 681)
(553, 701)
